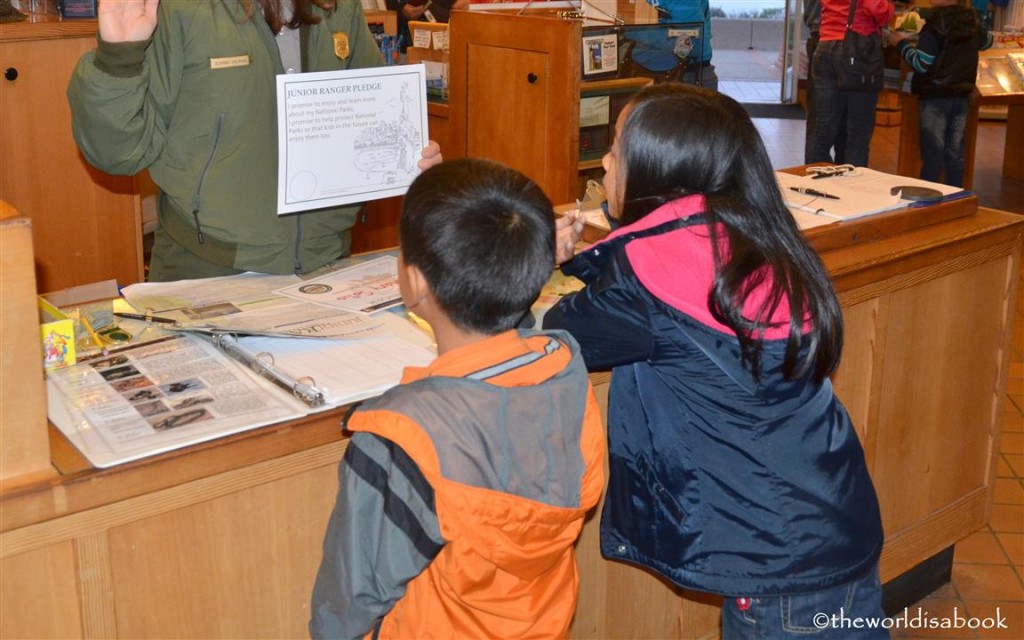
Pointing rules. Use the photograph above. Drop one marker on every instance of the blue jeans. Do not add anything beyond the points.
(943, 121)
(836, 112)
(852, 610)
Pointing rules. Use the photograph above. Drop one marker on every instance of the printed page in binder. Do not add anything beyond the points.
(159, 396)
(182, 389)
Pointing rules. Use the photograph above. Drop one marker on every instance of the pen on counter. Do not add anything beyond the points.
(814, 192)
(145, 317)
(92, 335)
(830, 172)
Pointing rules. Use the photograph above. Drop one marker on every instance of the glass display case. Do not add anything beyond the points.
(1001, 75)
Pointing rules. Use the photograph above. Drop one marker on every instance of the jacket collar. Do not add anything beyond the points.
(680, 209)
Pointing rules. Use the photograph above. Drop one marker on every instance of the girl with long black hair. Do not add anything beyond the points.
(734, 469)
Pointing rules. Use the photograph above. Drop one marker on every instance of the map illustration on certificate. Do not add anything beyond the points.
(349, 136)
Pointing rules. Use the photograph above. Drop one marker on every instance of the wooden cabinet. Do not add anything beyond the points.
(517, 83)
(514, 95)
(86, 224)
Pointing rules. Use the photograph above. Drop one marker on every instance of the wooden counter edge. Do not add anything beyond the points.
(82, 487)
(855, 266)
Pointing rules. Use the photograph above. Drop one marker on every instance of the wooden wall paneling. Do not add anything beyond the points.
(440, 128)
(377, 225)
(96, 585)
(157, 501)
(39, 598)
(858, 378)
(241, 565)
(925, 409)
(933, 448)
(86, 223)
(906, 548)
(591, 608)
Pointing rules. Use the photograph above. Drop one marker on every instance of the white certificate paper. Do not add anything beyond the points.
(349, 136)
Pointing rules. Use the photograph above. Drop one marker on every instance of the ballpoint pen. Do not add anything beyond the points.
(92, 335)
(814, 192)
(146, 317)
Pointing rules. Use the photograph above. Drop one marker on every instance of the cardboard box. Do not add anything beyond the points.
(64, 330)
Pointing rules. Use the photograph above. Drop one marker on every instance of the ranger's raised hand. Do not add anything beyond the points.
(127, 20)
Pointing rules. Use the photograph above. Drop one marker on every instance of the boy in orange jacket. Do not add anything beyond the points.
(464, 488)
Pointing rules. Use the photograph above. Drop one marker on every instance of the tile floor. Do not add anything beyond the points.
(767, 92)
(988, 566)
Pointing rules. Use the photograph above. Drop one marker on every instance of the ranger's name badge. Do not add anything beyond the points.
(230, 62)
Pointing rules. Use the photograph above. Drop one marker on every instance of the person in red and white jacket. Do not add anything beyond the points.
(836, 111)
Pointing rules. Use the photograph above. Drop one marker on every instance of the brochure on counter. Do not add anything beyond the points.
(260, 304)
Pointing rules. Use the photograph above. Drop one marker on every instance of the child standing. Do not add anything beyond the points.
(945, 64)
(734, 469)
(464, 488)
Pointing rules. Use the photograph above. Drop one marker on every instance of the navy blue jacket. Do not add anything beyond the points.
(945, 60)
(718, 482)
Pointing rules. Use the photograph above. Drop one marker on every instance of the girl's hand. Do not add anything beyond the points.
(568, 229)
(127, 20)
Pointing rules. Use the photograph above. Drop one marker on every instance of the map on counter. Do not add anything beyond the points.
(349, 136)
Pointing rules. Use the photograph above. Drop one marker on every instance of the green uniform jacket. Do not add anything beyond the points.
(209, 136)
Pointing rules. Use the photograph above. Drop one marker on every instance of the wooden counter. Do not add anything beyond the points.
(223, 539)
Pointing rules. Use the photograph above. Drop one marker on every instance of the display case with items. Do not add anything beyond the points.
(429, 47)
(1010, 38)
(663, 52)
(619, 60)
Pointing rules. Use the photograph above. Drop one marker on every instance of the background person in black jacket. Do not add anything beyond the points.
(945, 64)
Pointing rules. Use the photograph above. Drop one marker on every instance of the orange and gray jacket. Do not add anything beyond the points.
(459, 503)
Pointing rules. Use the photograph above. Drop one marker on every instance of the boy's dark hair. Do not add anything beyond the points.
(484, 237)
